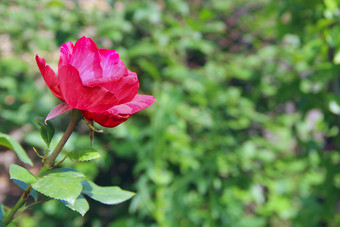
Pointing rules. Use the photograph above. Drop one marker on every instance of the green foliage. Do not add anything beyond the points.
(84, 154)
(24, 186)
(62, 184)
(106, 195)
(245, 128)
(46, 131)
(21, 174)
(7, 141)
(81, 205)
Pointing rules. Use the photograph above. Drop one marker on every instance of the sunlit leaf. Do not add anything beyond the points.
(106, 195)
(63, 184)
(7, 141)
(22, 174)
(85, 154)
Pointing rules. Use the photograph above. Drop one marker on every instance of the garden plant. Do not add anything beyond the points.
(244, 132)
(94, 84)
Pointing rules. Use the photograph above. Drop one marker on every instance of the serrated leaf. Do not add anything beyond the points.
(81, 205)
(2, 214)
(107, 195)
(22, 174)
(24, 186)
(85, 154)
(7, 141)
(62, 184)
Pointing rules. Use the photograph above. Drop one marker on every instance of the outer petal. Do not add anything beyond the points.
(58, 110)
(138, 103)
(50, 78)
(105, 119)
(94, 99)
(85, 59)
(124, 87)
(120, 113)
(66, 51)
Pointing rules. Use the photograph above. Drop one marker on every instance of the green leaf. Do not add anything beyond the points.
(81, 205)
(7, 141)
(62, 184)
(85, 154)
(47, 132)
(22, 174)
(24, 186)
(2, 214)
(106, 195)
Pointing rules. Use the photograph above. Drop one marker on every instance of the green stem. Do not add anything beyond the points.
(9, 216)
(75, 116)
(29, 206)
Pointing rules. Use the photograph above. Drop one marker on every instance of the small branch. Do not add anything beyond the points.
(29, 206)
(46, 153)
(47, 164)
(60, 161)
(9, 216)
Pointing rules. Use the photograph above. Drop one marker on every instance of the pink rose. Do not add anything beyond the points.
(96, 82)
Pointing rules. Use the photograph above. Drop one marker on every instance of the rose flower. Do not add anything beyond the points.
(96, 82)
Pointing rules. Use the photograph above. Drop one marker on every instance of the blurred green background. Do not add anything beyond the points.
(245, 128)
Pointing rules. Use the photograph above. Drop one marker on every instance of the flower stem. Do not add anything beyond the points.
(8, 218)
(75, 116)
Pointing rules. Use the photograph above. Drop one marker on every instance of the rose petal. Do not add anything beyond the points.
(94, 99)
(58, 110)
(138, 103)
(111, 64)
(49, 76)
(85, 59)
(125, 87)
(120, 113)
(66, 51)
(105, 119)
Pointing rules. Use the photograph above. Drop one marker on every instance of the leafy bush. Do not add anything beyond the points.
(244, 130)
